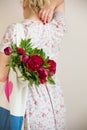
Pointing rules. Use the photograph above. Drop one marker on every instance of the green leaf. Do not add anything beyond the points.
(50, 80)
(14, 54)
(31, 81)
(47, 58)
(25, 43)
(14, 47)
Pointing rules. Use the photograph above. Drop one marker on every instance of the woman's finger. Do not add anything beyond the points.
(43, 15)
(50, 16)
(46, 16)
(40, 13)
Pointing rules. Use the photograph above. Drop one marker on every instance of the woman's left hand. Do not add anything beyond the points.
(46, 14)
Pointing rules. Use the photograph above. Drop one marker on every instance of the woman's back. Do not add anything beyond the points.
(47, 36)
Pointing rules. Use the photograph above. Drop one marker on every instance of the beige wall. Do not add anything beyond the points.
(74, 64)
(10, 12)
(72, 60)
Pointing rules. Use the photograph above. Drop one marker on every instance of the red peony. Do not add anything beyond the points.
(21, 51)
(35, 62)
(52, 66)
(8, 51)
(25, 58)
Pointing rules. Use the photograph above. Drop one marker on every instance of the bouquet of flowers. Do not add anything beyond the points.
(32, 63)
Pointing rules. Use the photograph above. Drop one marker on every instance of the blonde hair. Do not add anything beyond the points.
(36, 5)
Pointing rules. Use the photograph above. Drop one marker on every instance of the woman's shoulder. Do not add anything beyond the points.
(59, 20)
(59, 16)
(11, 25)
(14, 25)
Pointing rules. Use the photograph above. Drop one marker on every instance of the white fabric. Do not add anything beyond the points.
(20, 33)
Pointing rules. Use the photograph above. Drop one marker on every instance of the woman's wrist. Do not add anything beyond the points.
(55, 3)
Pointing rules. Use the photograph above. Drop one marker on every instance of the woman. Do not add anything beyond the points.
(33, 108)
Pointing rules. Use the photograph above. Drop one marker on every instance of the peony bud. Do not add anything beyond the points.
(21, 51)
(25, 58)
(8, 51)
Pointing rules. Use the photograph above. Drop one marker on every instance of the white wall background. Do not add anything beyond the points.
(72, 60)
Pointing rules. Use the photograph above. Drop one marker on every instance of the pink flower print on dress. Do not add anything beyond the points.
(43, 114)
(36, 103)
(57, 111)
(57, 25)
(30, 113)
(6, 40)
(62, 106)
(52, 46)
(8, 89)
(46, 44)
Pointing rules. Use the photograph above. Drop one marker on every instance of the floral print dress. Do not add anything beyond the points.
(45, 107)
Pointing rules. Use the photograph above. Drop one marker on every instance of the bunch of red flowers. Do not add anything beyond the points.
(33, 63)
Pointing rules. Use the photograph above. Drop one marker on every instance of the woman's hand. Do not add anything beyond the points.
(4, 70)
(46, 14)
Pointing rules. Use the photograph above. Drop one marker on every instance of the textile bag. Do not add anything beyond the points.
(13, 96)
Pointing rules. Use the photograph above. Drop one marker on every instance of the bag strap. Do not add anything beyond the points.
(20, 33)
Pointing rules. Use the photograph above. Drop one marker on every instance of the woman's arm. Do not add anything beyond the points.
(61, 8)
(4, 70)
(56, 4)
(46, 13)
(8, 38)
